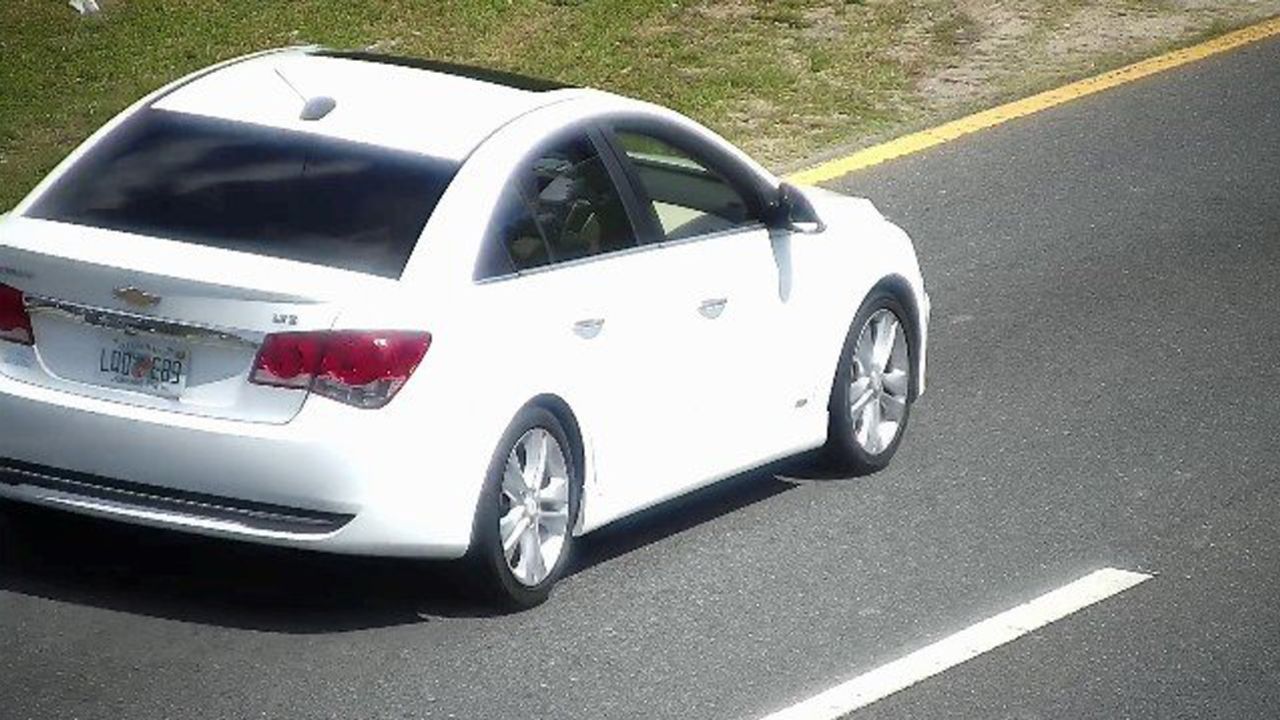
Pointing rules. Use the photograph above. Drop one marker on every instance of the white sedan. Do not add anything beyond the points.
(373, 305)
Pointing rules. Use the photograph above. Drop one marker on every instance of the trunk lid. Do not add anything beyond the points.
(161, 324)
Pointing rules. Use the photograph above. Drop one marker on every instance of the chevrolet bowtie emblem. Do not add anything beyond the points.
(135, 297)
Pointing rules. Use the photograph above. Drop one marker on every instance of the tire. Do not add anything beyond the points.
(10, 540)
(522, 577)
(884, 386)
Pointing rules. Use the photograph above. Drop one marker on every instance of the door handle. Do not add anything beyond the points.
(589, 328)
(712, 308)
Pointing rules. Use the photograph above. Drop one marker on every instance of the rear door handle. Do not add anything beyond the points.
(589, 328)
(712, 308)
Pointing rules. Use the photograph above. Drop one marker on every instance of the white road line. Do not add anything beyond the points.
(962, 646)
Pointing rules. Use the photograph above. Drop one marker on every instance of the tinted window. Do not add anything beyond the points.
(514, 241)
(560, 205)
(689, 197)
(255, 189)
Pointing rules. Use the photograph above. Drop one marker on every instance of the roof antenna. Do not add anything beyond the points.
(313, 108)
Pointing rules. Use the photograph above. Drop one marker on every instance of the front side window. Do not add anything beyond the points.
(560, 205)
(254, 189)
(689, 197)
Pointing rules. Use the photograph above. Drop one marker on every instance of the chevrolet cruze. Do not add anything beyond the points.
(366, 304)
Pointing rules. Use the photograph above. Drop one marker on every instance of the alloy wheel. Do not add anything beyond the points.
(879, 382)
(534, 506)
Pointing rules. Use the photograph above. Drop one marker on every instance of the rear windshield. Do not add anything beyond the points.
(254, 189)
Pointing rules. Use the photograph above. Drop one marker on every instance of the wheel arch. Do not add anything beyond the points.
(559, 407)
(900, 289)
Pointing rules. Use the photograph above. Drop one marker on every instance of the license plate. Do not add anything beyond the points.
(145, 365)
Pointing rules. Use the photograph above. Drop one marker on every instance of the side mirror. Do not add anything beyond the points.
(793, 212)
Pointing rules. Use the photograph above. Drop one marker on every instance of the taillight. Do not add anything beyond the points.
(361, 368)
(15, 323)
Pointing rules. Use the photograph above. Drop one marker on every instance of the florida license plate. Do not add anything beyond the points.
(145, 365)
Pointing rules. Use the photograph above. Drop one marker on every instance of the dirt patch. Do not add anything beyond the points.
(965, 55)
(1017, 44)
(999, 30)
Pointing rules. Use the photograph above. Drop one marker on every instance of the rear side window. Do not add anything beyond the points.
(255, 189)
(560, 205)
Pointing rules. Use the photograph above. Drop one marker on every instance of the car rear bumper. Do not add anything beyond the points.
(331, 480)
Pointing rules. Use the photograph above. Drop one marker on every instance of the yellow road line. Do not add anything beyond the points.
(915, 142)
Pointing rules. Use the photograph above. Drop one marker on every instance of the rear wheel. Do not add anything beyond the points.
(524, 523)
(10, 540)
(874, 387)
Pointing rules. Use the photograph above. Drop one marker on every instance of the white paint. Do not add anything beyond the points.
(962, 646)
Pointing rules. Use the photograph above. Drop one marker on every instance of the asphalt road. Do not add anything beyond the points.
(1105, 392)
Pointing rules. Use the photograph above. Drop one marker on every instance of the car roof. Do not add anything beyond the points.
(498, 77)
(433, 108)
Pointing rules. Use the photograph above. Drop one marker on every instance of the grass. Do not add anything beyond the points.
(781, 77)
(785, 79)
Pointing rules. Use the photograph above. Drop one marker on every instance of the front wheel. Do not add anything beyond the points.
(871, 398)
(525, 519)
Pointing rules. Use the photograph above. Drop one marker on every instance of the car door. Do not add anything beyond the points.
(581, 314)
(728, 281)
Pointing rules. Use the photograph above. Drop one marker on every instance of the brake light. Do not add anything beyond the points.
(361, 368)
(15, 323)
